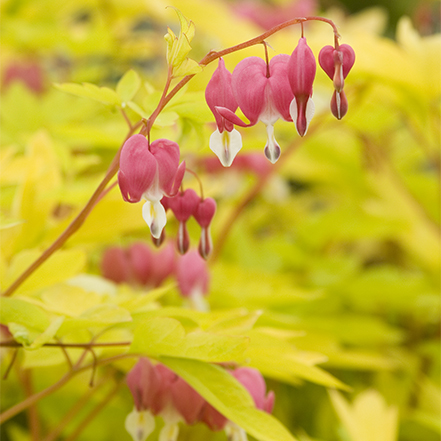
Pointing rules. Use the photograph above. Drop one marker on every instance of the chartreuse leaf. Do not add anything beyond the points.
(369, 418)
(87, 90)
(166, 336)
(98, 316)
(48, 333)
(229, 397)
(128, 85)
(24, 318)
(279, 359)
(23, 313)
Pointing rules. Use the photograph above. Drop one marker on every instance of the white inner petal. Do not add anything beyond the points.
(272, 149)
(169, 432)
(140, 424)
(153, 213)
(226, 145)
(234, 432)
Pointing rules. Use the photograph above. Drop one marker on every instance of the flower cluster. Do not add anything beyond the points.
(268, 91)
(186, 204)
(140, 265)
(158, 391)
(152, 172)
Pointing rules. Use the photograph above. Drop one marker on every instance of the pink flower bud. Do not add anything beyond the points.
(184, 204)
(205, 211)
(255, 384)
(337, 63)
(204, 214)
(192, 274)
(301, 74)
(115, 265)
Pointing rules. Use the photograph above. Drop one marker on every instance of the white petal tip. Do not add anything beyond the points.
(155, 217)
(226, 145)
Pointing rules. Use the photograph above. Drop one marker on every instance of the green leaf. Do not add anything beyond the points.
(98, 316)
(229, 397)
(166, 336)
(21, 312)
(48, 334)
(87, 90)
(128, 85)
(279, 359)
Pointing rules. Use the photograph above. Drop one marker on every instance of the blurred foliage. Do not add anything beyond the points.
(329, 278)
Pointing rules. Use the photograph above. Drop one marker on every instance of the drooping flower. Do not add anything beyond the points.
(263, 94)
(337, 62)
(150, 172)
(183, 206)
(193, 278)
(301, 74)
(157, 390)
(204, 214)
(225, 141)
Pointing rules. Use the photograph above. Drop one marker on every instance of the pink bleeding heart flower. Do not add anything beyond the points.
(150, 172)
(226, 141)
(204, 214)
(301, 74)
(337, 62)
(263, 94)
(183, 206)
(193, 278)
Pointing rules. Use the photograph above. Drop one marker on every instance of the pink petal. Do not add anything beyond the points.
(187, 401)
(220, 93)
(253, 381)
(141, 260)
(249, 81)
(232, 117)
(184, 204)
(167, 156)
(339, 104)
(137, 168)
(327, 60)
(163, 264)
(205, 211)
(280, 88)
(301, 70)
(212, 417)
(144, 383)
(115, 265)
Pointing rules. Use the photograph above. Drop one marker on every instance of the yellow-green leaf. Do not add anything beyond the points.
(166, 336)
(229, 397)
(128, 85)
(87, 90)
